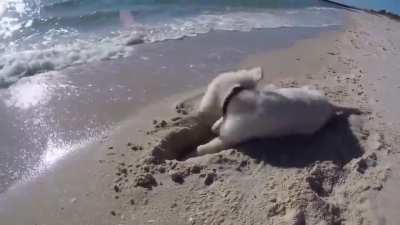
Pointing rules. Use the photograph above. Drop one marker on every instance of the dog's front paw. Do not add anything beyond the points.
(213, 146)
(200, 150)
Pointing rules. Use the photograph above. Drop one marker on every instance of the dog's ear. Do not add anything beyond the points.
(256, 74)
(233, 91)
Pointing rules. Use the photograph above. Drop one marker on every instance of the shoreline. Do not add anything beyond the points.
(247, 185)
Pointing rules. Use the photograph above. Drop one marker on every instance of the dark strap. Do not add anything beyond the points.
(235, 90)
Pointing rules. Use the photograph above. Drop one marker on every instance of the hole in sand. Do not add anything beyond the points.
(182, 139)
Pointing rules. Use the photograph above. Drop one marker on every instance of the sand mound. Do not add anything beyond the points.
(182, 139)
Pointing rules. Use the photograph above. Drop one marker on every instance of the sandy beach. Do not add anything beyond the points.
(140, 172)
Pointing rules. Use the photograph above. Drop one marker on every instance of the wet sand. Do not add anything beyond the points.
(342, 175)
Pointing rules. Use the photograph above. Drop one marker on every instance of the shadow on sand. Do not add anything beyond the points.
(335, 142)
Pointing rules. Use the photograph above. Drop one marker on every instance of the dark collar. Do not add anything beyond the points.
(235, 91)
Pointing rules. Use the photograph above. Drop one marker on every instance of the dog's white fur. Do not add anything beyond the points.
(210, 108)
(269, 113)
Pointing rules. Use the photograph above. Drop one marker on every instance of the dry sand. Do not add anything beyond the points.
(344, 174)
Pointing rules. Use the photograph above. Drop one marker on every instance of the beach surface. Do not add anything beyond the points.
(140, 173)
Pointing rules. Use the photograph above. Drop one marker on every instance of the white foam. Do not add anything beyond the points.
(9, 25)
(239, 21)
(23, 63)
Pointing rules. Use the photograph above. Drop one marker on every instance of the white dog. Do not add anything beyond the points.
(250, 114)
(210, 108)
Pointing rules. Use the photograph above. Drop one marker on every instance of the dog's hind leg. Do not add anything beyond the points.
(214, 146)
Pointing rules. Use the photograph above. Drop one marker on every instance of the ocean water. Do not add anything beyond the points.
(44, 35)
